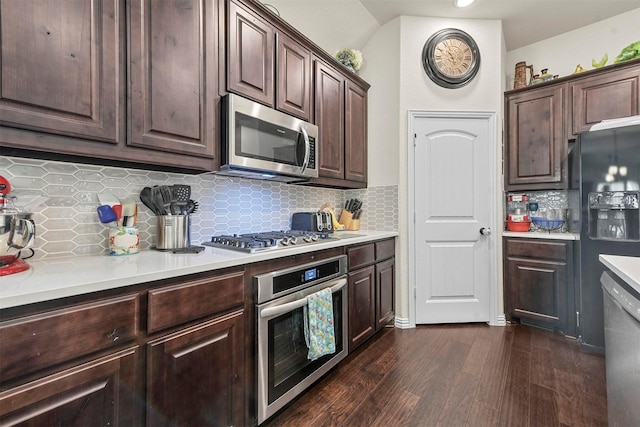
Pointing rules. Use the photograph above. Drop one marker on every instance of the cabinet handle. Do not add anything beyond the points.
(114, 335)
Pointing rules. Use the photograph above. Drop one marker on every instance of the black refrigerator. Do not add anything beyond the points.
(607, 176)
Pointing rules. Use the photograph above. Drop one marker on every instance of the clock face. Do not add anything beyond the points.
(451, 58)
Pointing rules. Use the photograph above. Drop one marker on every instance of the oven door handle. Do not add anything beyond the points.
(290, 306)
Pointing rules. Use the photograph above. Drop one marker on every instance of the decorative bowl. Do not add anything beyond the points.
(546, 223)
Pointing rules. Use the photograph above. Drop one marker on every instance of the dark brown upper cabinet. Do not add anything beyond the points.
(540, 121)
(355, 133)
(603, 97)
(251, 55)
(536, 147)
(62, 68)
(329, 117)
(294, 77)
(173, 96)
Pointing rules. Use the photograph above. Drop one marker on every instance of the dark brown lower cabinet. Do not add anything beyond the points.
(103, 391)
(538, 283)
(169, 352)
(362, 295)
(195, 375)
(371, 289)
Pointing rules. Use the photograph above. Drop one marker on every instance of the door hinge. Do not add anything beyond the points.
(577, 319)
(415, 136)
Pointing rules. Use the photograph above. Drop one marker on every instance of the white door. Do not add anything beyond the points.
(454, 194)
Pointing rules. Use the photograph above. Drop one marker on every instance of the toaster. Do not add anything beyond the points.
(312, 221)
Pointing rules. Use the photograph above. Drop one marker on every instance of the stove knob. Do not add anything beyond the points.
(284, 241)
(314, 237)
(307, 238)
(293, 240)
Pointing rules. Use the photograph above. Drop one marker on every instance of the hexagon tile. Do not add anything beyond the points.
(67, 223)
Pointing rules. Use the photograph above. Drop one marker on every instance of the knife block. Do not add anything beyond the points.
(346, 219)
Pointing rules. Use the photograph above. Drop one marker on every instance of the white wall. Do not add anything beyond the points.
(399, 84)
(561, 54)
(382, 69)
(351, 23)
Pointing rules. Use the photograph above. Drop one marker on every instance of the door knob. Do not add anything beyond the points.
(485, 231)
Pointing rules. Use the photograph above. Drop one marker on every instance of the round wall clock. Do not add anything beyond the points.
(451, 58)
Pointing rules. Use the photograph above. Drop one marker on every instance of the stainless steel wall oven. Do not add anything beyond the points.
(284, 370)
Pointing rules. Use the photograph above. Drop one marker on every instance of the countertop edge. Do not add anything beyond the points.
(625, 267)
(541, 235)
(56, 278)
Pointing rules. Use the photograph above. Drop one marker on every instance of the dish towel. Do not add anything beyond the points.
(318, 324)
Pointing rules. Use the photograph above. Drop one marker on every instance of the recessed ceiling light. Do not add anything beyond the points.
(463, 3)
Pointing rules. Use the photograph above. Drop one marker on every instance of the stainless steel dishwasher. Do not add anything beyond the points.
(622, 351)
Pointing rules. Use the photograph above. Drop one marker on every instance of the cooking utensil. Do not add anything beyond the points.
(107, 198)
(146, 197)
(167, 198)
(158, 200)
(128, 211)
(191, 207)
(117, 209)
(106, 214)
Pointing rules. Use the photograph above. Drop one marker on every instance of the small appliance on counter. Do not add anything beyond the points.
(518, 212)
(17, 232)
(312, 221)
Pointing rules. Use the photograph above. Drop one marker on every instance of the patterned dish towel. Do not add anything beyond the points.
(318, 324)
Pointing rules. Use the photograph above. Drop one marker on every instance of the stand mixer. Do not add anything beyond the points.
(17, 232)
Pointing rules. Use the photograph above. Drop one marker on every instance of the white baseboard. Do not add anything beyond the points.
(402, 323)
(501, 320)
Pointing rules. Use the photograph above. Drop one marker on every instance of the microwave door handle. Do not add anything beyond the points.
(307, 149)
(290, 306)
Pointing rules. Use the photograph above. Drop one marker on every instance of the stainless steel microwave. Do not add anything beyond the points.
(262, 143)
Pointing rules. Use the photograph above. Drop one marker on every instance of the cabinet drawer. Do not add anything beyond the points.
(182, 303)
(554, 250)
(385, 249)
(54, 337)
(361, 255)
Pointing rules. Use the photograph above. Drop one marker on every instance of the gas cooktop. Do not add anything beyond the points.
(257, 242)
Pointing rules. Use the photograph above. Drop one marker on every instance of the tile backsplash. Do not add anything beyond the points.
(67, 223)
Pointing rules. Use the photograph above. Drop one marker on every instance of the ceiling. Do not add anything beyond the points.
(524, 21)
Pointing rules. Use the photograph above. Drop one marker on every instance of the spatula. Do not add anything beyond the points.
(128, 211)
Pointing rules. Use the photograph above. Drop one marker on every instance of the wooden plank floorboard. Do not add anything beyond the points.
(543, 407)
(457, 375)
(514, 409)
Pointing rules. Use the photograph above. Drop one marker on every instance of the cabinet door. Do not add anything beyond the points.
(385, 292)
(195, 376)
(294, 77)
(536, 148)
(173, 76)
(362, 322)
(102, 392)
(536, 290)
(609, 96)
(62, 68)
(355, 133)
(250, 50)
(329, 112)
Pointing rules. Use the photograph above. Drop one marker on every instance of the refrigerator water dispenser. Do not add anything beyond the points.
(614, 215)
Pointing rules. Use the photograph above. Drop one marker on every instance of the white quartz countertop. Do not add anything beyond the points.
(64, 277)
(625, 267)
(542, 235)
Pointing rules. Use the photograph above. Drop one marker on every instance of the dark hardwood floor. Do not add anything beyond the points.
(458, 375)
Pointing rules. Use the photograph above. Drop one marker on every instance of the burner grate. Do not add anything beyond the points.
(254, 242)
